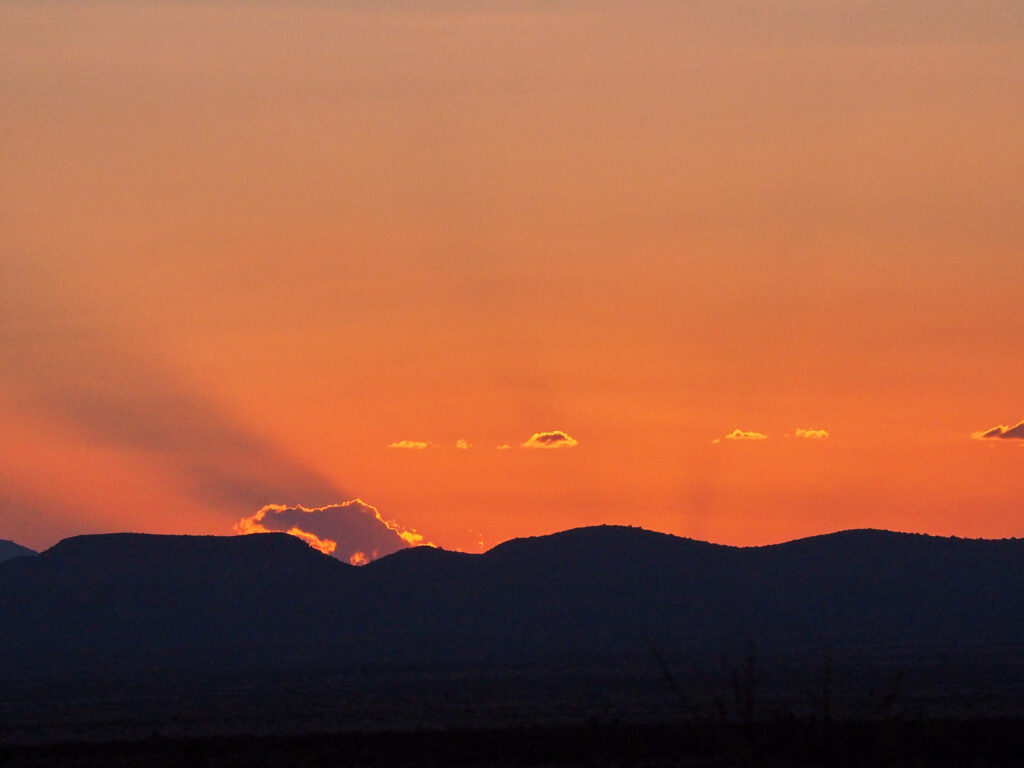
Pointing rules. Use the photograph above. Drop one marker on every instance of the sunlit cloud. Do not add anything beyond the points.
(554, 439)
(324, 545)
(1001, 432)
(463, 445)
(739, 434)
(410, 445)
(353, 531)
(812, 434)
(504, 447)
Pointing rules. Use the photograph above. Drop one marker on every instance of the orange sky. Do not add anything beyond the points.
(246, 247)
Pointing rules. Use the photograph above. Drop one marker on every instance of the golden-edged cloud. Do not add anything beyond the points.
(1001, 432)
(463, 445)
(327, 546)
(409, 445)
(353, 531)
(554, 439)
(812, 434)
(739, 434)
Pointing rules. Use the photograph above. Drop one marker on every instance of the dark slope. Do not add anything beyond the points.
(594, 589)
(870, 586)
(270, 599)
(160, 598)
(607, 589)
(9, 550)
(604, 589)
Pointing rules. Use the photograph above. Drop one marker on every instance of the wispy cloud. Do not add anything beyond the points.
(1001, 432)
(812, 434)
(463, 445)
(353, 531)
(554, 439)
(410, 445)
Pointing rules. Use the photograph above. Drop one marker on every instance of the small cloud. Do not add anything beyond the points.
(1001, 432)
(410, 445)
(463, 445)
(358, 558)
(739, 434)
(554, 439)
(504, 447)
(812, 434)
(716, 441)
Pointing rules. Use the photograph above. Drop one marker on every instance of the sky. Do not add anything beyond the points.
(739, 271)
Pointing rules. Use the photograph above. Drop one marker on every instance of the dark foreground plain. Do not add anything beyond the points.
(893, 743)
(799, 710)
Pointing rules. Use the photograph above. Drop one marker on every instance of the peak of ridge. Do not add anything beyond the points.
(599, 541)
(11, 549)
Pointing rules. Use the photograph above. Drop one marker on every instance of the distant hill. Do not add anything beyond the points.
(9, 549)
(163, 598)
(269, 599)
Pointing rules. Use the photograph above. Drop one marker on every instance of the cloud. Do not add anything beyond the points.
(739, 434)
(812, 434)
(504, 447)
(327, 546)
(554, 439)
(410, 445)
(352, 531)
(1001, 432)
(463, 445)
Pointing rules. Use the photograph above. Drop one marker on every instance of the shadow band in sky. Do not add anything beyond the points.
(108, 391)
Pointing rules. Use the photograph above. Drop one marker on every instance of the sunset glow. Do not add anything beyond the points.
(507, 269)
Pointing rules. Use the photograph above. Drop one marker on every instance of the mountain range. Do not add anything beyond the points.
(140, 600)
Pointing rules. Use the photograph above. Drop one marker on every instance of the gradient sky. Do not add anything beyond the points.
(247, 247)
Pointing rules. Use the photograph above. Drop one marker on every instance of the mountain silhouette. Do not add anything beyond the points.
(10, 549)
(268, 599)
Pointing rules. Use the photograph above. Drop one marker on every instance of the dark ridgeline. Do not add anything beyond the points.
(10, 549)
(147, 601)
